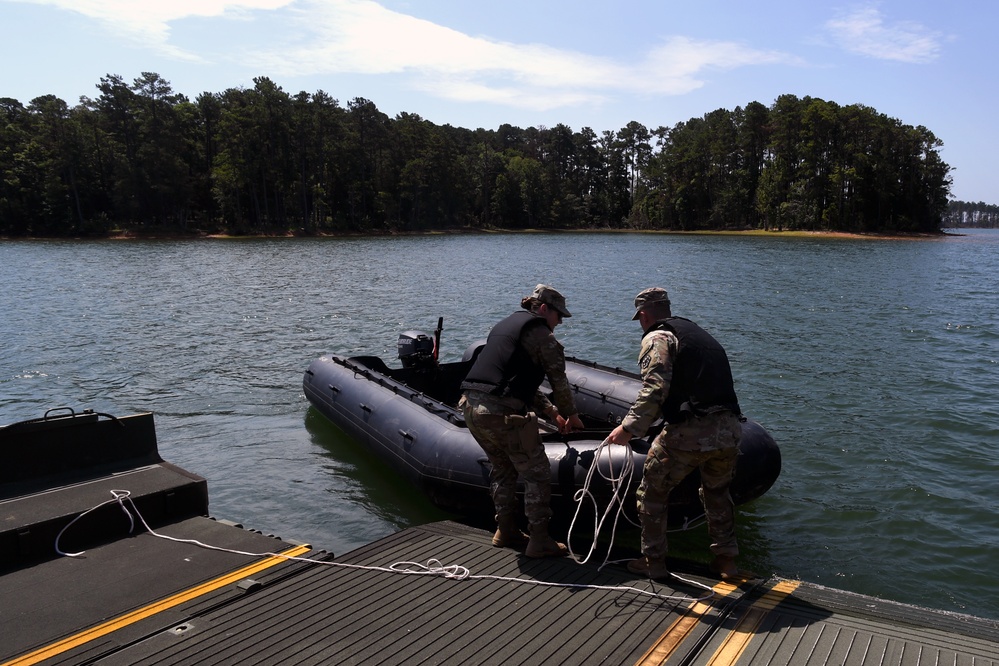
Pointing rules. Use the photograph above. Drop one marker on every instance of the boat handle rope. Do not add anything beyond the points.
(433, 567)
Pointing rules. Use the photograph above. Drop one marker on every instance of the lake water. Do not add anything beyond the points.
(872, 362)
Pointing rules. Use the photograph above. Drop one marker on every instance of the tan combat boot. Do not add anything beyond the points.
(724, 566)
(542, 544)
(644, 566)
(508, 535)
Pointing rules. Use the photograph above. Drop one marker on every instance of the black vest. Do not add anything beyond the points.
(702, 378)
(503, 367)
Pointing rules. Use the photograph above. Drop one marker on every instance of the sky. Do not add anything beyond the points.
(539, 63)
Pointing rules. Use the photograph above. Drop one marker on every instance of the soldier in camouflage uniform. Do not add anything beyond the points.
(686, 379)
(500, 392)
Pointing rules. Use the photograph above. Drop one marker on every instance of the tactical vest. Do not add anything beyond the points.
(503, 367)
(702, 378)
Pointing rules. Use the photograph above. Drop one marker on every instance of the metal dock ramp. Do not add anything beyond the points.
(271, 611)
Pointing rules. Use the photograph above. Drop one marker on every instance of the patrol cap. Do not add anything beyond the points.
(648, 297)
(551, 297)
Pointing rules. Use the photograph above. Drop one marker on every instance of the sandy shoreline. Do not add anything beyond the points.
(747, 232)
(194, 235)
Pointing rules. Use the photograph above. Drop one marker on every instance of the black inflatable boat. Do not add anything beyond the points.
(409, 417)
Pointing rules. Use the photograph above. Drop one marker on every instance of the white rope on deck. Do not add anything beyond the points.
(433, 567)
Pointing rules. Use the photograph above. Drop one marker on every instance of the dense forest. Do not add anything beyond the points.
(140, 158)
(971, 215)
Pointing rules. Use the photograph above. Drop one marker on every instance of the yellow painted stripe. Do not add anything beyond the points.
(735, 643)
(132, 617)
(681, 627)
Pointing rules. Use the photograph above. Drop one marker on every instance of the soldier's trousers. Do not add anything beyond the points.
(512, 442)
(667, 466)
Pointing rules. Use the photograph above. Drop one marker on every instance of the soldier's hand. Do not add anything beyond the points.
(571, 424)
(619, 436)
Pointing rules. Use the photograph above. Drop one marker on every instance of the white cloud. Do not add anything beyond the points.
(679, 65)
(361, 36)
(865, 32)
(147, 22)
(315, 37)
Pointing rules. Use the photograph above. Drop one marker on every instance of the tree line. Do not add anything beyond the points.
(139, 157)
(972, 215)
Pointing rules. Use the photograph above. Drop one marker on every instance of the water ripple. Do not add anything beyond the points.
(873, 363)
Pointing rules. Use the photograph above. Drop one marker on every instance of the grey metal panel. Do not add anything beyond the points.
(329, 615)
(334, 614)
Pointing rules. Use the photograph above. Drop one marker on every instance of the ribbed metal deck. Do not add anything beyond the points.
(295, 613)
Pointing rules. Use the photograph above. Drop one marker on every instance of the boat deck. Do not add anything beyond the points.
(143, 600)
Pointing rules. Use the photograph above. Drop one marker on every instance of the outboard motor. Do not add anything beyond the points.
(416, 350)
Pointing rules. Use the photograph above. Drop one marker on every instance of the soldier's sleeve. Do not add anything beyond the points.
(548, 352)
(655, 361)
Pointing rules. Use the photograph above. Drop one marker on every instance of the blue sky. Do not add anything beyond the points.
(581, 63)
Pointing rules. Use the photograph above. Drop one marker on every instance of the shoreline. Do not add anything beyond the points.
(198, 235)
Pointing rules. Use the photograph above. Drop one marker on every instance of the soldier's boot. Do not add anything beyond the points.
(645, 566)
(508, 535)
(724, 566)
(541, 544)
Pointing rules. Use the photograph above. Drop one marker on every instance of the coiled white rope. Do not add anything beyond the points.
(433, 567)
(619, 483)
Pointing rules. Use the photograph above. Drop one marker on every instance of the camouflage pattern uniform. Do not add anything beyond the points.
(509, 433)
(709, 443)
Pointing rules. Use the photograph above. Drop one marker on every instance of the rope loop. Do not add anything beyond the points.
(433, 567)
(118, 496)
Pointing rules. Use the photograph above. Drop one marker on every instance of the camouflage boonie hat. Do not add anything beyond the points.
(551, 297)
(649, 296)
